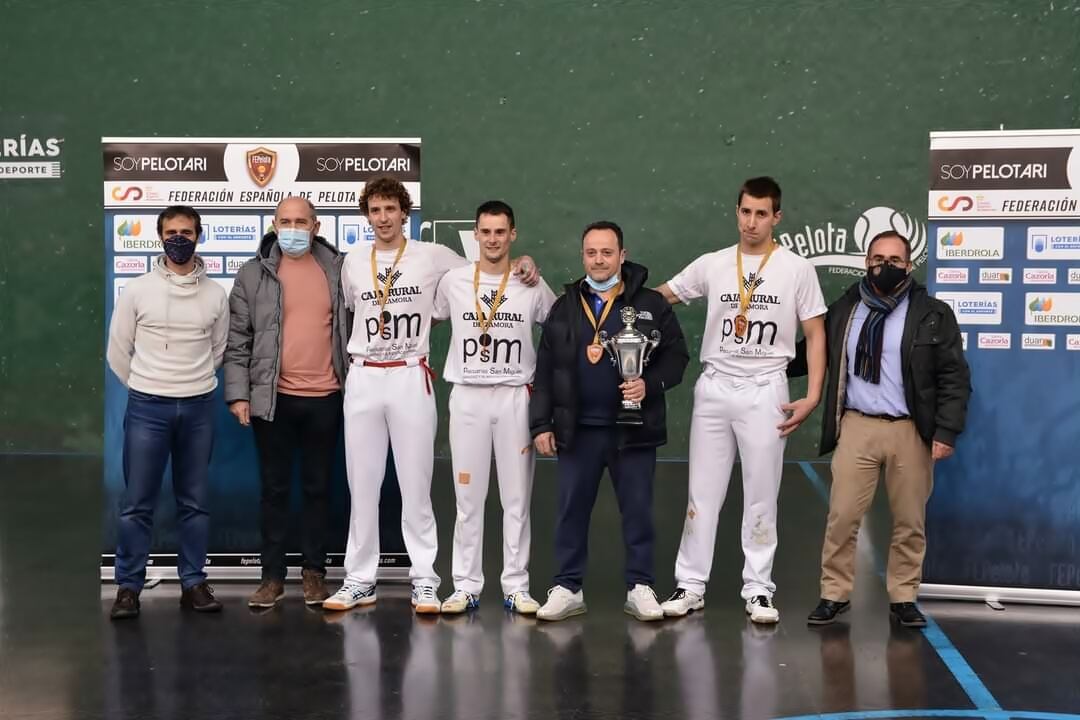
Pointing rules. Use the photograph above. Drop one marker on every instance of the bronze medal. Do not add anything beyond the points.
(484, 321)
(740, 326)
(384, 295)
(595, 351)
(747, 287)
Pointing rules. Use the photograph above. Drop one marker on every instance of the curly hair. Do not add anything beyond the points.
(385, 187)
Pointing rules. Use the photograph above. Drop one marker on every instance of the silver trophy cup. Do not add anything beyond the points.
(629, 350)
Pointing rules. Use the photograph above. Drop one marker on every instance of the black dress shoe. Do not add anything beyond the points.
(907, 614)
(126, 604)
(826, 612)
(199, 598)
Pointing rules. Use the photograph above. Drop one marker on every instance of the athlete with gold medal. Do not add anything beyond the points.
(759, 294)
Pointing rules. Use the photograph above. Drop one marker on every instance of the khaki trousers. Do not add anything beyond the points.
(865, 446)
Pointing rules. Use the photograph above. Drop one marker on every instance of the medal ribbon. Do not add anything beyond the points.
(485, 323)
(383, 296)
(603, 316)
(744, 293)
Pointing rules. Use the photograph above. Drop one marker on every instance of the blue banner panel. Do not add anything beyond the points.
(1005, 255)
(235, 184)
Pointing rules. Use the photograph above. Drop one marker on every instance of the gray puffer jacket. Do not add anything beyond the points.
(253, 355)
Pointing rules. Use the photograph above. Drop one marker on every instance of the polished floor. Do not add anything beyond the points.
(60, 656)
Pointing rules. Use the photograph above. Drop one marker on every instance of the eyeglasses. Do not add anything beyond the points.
(878, 260)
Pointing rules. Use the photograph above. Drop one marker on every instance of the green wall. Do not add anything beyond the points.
(649, 113)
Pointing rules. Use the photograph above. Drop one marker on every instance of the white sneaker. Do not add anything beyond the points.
(641, 603)
(521, 602)
(561, 604)
(425, 601)
(681, 602)
(761, 610)
(349, 596)
(459, 601)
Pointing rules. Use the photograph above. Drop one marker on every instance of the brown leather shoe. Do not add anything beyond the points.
(267, 595)
(314, 587)
(199, 598)
(126, 604)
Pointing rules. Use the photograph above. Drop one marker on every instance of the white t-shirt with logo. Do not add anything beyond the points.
(786, 293)
(407, 312)
(510, 358)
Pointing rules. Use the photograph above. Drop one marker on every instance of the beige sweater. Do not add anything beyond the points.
(168, 332)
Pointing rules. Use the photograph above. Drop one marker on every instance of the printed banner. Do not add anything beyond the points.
(1006, 257)
(235, 185)
(1030, 174)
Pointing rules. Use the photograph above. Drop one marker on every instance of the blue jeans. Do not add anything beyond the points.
(155, 429)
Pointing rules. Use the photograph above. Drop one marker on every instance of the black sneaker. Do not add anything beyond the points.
(126, 604)
(908, 614)
(199, 598)
(826, 611)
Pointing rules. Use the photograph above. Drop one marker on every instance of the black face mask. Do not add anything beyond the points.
(887, 277)
(179, 249)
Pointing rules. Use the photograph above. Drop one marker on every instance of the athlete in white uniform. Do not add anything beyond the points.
(388, 393)
(491, 362)
(758, 293)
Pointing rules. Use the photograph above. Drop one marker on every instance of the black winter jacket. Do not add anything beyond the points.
(937, 381)
(554, 403)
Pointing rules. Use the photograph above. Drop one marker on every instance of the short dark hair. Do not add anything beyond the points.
(603, 225)
(179, 211)
(496, 207)
(890, 233)
(761, 187)
(387, 187)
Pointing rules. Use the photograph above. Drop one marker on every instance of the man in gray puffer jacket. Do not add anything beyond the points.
(285, 366)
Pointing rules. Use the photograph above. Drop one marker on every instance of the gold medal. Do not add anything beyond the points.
(740, 325)
(594, 352)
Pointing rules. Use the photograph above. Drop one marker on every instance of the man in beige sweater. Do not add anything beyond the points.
(166, 340)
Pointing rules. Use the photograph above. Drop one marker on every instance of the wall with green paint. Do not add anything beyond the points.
(649, 113)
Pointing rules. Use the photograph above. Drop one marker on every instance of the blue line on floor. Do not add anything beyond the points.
(815, 480)
(959, 667)
(965, 676)
(883, 714)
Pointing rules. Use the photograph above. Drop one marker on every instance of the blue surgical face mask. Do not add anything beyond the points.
(294, 242)
(603, 286)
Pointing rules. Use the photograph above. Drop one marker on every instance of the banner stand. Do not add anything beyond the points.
(235, 184)
(989, 595)
(1003, 522)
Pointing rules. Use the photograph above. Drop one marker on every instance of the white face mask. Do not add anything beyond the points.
(294, 242)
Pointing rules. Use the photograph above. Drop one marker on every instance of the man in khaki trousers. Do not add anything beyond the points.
(896, 399)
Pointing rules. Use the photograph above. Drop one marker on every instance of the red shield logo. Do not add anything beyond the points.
(261, 164)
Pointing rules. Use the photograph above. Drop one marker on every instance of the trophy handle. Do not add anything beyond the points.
(651, 344)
